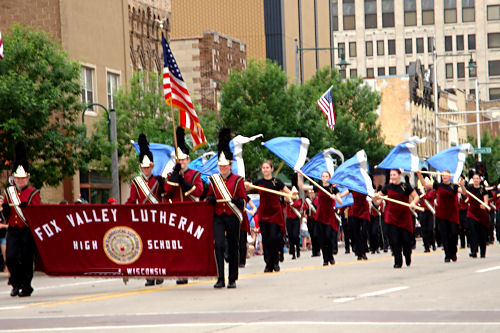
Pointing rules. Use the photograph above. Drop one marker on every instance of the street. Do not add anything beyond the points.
(354, 296)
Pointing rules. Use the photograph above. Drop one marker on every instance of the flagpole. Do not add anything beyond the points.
(319, 186)
(479, 200)
(401, 203)
(279, 168)
(175, 142)
(265, 189)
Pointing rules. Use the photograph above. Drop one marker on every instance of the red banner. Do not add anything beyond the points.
(124, 240)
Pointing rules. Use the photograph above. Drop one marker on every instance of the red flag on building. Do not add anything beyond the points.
(325, 103)
(1, 46)
(176, 94)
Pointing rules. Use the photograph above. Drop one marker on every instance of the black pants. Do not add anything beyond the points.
(272, 240)
(243, 247)
(20, 253)
(311, 227)
(327, 236)
(492, 226)
(449, 237)
(359, 232)
(385, 234)
(464, 231)
(427, 223)
(375, 233)
(227, 226)
(346, 227)
(479, 237)
(293, 231)
(400, 240)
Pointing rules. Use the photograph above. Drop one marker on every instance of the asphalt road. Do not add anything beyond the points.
(351, 296)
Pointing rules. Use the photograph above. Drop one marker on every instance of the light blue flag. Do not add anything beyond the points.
(403, 156)
(198, 164)
(292, 150)
(238, 166)
(347, 201)
(451, 159)
(256, 202)
(353, 174)
(163, 157)
(322, 161)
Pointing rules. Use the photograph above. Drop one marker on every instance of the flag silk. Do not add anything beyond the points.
(353, 174)
(347, 201)
(176, 94)
(292, 150)
(403, 156)
(1, 46)
(322, 161)
(163, 157)
(325, 103)
(451, 159)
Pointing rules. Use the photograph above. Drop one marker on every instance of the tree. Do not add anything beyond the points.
(491, 160)
(39, 104)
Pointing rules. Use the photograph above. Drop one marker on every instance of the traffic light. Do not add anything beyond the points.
(481, 168)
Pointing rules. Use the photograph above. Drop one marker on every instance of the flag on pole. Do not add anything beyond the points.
(292, 150)
(353, 174)
(348, 200)
(325, 103)
(403, 156)
(451, 159)
(1, 46)
(322, 161)
(176, 94)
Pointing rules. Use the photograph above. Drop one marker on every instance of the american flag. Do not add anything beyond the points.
(325, 103)
(176, 94)
(1, 46)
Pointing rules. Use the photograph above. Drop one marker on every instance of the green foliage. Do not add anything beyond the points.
(40, 104)
(491, 160)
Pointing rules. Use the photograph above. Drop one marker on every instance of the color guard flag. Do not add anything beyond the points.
(403, 156)
(176, 94)
(348, 200)
(451, 159)
(1, 46)
(322, 161)
(325, 103)
(292, 150)
(163, 157)
(353, 174)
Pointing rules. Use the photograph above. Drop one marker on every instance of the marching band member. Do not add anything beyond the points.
(427, 219)
(227, 193)
(145, 188)
(293, 218)
(477, 216)
(182, 184)
(463, 205)
(447, 216)
(360, 224)
(20, 243)
(327, 226)
(399, 218)
(312, 204)
(245, 231)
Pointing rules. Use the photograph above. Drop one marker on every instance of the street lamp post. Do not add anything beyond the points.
(112, 137)
(342, 63)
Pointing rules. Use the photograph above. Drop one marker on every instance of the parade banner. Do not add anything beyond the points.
(160, 240)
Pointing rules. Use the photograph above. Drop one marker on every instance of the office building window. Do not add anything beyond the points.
(88, 86)
(343, 73)
(369, 72)
(468, 12)
(352, 49)
(349, 15)
(449, 71)
(460, 70)
(391, 46)
(448, 44)
(472, 92)
(450, 11)
(370, 14)
(460, 42)
(427, 12)
(392, 70)
(408, 46)
(494, 40)
(493, 12)
(472, 72)
(494, 94)
(380, 47)
(381, 71)
(335, 15)
(494, 68)
(420, 45)
(95, 187)
(387, 13)
(410, 7)
(353, 72)
(341, 49)
(471, 42)
(112, 85)
(430, 44)
(369, 48)
(407, 68)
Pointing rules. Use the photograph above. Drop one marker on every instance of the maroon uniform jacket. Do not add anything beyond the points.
(394, 213)
(447, 202)
(28, 195)
(173, 190)
(270, 209)
(137, 195)
(360, 208)
(475, 211)
(429, 195)
(325, 212)
(236, 188)
(297, 204)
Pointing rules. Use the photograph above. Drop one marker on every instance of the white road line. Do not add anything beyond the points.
(255, 324)
(75, 284)
(344, 299)
(12, 307)
(488, 269)
(370, 294)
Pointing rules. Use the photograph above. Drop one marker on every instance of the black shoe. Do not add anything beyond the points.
(335, 252)
(483, 255)
(241, 266)
(315, 254)
(268, 270)
(427, 250)
(347, 251)
(447, 260)
(231, 285)
(298, 252)
(332, 261)
(397, 266)
(26, 292)
(182, 281)
(473, 255)
(149, 283)
(294, 257)
(325, 263)
(433, 247)
(14, 292)
(454, 258)
(160, 281)
(364, 257)
(386, 250)
(408, 261)
(282, 258)
(219, 284)
(360, 258)
(276, 268)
